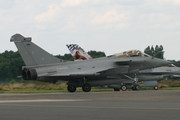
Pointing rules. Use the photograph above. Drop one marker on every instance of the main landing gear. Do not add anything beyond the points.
(85, 87)
(71, 88)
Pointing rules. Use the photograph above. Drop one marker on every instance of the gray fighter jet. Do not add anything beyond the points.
(148, 76)
(155, 74)
(42, 66)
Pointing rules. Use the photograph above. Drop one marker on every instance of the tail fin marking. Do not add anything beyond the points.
(78, 53)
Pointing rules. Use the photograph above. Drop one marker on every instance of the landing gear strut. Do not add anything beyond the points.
(135, 82)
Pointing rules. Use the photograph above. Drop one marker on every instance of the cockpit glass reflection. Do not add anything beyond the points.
(132, 53)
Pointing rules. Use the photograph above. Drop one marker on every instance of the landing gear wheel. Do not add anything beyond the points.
(116, 89)
(123, 88)
(133, 88)
(156, 87)
(137, 87)
(71, 88)
(86, 87)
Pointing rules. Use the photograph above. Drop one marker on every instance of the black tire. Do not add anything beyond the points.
(71, 88)
(137, 87)
(156, 87)
(123, 88)
(86, 87)
(133, 88)
(116, 89)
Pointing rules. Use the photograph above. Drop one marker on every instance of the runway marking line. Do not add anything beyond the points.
(88, 107)
(38, 100)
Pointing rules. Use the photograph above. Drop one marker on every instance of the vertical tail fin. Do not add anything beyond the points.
(31, 53)
(78, 53)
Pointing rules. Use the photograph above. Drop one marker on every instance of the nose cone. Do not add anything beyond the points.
(160, 62)
(176, 71)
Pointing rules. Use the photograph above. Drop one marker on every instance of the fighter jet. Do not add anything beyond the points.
(155, 74)
(42, 66)
(148, 76)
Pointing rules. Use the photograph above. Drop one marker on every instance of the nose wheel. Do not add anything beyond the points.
(135, 82)
(135, 87)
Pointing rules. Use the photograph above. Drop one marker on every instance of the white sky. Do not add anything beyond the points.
(111, 26)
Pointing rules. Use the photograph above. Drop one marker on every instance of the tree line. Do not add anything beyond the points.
(11, 62)
(158, 52)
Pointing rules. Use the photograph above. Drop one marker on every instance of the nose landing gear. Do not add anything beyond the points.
(135, 86)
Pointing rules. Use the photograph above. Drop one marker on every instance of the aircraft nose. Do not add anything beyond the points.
(161, 62)
(176, 71)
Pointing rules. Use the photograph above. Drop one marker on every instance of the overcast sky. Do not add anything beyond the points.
(111, 26)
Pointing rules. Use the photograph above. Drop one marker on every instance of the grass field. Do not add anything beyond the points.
(43, 87)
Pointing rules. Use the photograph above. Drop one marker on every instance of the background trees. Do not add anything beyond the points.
(10, 65)
(153, 51)
(95, 54)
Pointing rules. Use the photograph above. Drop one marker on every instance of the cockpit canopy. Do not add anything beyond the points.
(131, 53)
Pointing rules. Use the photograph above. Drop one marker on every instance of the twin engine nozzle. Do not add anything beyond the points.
(29, 74)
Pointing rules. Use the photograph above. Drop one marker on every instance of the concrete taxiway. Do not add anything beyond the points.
(136, 105)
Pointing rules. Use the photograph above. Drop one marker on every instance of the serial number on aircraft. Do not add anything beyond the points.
(62, 68)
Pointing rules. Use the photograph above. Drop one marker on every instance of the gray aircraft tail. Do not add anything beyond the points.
(31, 53)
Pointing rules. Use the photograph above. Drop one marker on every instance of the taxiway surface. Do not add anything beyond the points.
(132, 105)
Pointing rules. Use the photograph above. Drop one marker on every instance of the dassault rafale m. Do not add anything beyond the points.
(42, 66)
